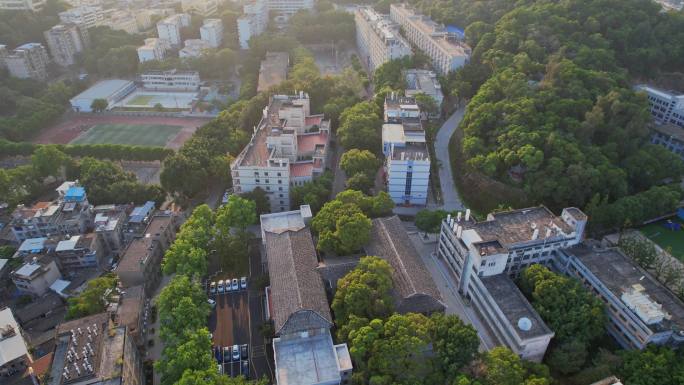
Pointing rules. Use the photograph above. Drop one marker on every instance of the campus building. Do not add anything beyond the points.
(273, 70)
(212, 32)
(15, 356)
(65, 41)
(28, 61)
(253, 21)
(203, 8)
(446, 50)
(90, 16)
(112, 91)
(667, 107)
(194, 48)
(304, 352)
(22, 5)
(153, 49)
(378, 39)
(669, 136)
(407, 160)
(169, 29)
(171, 80)
(37, 275)
(288, 148)
(420, 81)
(286, 8)
(483, 255)
(128, 22)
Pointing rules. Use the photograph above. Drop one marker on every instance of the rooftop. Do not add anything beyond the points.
(411, 151)
(383, 27)
(424, 81)
(34, 265)
(273, 70)
(103, 89)
(12, 345)
(438, 32)
(75, 194)
(139, 213)
(515, 307)
(309, 360)
(307, 143)
(128, 311)
(618, 273)
(670, 130)
(287, 221)
(136, 254)
(32, 245)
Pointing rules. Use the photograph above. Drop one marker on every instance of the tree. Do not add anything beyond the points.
(427, 104)
(430, 221)
(360, 182)
(454, 343)
(238, 213)
(342, 227)
(360, 127)
(357, 161)
(180, 286)
(188, 253)
(194, 353)
(651, 366)
(364, 292)
(260, 198)
(93, 299)
(99, 105)
(503, 367)
(48, 160)
(568, 357)
(642, 251)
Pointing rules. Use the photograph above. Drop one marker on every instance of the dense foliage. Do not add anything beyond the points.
(330, 26)
(314, 193)
(100, 151)
(92, 300)
(361, 167)
(430, 221)
(107, 182)
(188, 253)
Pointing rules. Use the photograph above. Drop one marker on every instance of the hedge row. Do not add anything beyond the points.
(101, 151)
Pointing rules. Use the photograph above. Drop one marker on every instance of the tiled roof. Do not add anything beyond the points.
(301, 169)
(308, 142)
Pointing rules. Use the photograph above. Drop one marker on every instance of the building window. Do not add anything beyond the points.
(266, 173)
(257, 181)
(279, 174)
(256, 173)
(280, 189)
(280, 181)
(266, 180)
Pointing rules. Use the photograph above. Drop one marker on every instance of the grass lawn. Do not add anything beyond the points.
(666, 238)
(140, 100)
(132, 134)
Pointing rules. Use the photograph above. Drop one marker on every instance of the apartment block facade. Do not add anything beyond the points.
(667, 107)
(65, 41)
(212, 32)
(153, 49)
(90, 16)
(253, 21)
(171, 80)
(378, 39)
(22, 5)
(446, 50)
(169, 29)
(80, 251)
(37, 275)
(28, 61)
(287, 8)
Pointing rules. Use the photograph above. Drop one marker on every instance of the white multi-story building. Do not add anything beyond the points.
(171, 80)
(15, 357)
(423, 82)
(445, 50)
(194, 48)
(169, 29)
(154, 49)
(203, 8)
(407, 160)
(666, 106)
(28, 61)
(288, 148)
(253, 21)
(378, 39)
(65, 41)
(286, 8)
(85, 15)
(212, 32)
(37, 275)
(22, 5)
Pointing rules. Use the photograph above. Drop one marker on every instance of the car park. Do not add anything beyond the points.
(212, 288)
(236, 353)
(220, 286)
(227, 357)
(235, 284)
(243, 283)
(243, 352)
(229, 288)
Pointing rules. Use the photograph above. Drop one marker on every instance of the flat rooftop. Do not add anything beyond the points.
(103, 89)
(515, 307)
(12, 345)
(287, 221)
(425, 81)
(670, 130)
(305, 360)
(273, 70)
(618, 273)
(411, 151)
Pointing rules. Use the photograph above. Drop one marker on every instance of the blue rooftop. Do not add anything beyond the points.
(454, 29)
(141, 212)
(75, 194)
(32, 245)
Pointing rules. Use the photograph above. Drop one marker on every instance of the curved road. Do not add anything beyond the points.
(452, 201)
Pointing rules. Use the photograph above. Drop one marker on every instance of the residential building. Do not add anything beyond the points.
(109, 226)
(28, 61)
(84, 15)
(669, 136)
(65, 41)
(304, 352)
(203, 8)
(194, 48)
(80, 251)
(112, 91)
(169, 29)
(288, 148)
(153, 49)
(286, 8)
(140, 263)
(407, 160)
(483, 254)
(273, 70)
(130, 312)
(37, 275)
(640, 309)
(14, 353)
(139, 219)
(92, 350)
(667, 107)
(171, 80)
(253, 21)
(70, 214)
(122, 21)
(378, 39)
(22, 5)
(211, 31)
(445, 49)
(420, 81)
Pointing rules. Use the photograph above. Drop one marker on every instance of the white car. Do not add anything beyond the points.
(236, 353)
(228, 287)
(235, 284)
(243, 283)
(212, 288)
(220, 286)
(211, 302)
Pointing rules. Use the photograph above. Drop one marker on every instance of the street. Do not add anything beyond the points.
(452, 201)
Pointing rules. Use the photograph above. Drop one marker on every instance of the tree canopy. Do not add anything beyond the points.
(92, 300)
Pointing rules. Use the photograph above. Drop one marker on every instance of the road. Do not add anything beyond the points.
(452, 201)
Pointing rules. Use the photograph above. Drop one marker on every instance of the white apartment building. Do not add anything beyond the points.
(194, 48)
(15, 357)
(169, 29)
(203, 8)
(447, 52)
(86, 15)
(171, 80)
(288, 148)
(154, 49)
(378, 39)
(22, 5)
(65, 41)
(211, 31)
(667, 107)
(286, 8)
(36, 276)
(28, 61)
(407, 160)
(253, 21)
(423, 82)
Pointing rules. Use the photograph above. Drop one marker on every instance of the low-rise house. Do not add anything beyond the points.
(420, 81)
(14, 354)
(80, 251)
(37, 275)
(130, 313)
(109, 225)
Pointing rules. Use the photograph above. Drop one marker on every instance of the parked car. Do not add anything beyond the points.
(220, 286)
(212, 288)
(227, 357)
(211, 302)
(244, 369)
(243, 352)
(236, 353)
(228, 287)
(243, 283)
(235, 284)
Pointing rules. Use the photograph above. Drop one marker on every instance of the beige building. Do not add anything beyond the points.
(89, 16)
(65, 41)
(153, 49)
(37, 275)
(28, 61)
(203, 8)
(22, 5)
(378, 39)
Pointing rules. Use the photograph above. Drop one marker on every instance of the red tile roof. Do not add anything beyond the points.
(307, 143)
(301, 169)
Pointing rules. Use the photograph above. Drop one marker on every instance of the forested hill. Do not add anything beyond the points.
(551, 86)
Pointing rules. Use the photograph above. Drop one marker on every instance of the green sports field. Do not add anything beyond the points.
(666, 238)
(133, 134)
(140, 100)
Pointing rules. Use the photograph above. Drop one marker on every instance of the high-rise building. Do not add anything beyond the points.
(445, 49)
(253, 21)
(28, 61)
(169, 29)
(378, 39)
(154, 49)
(22, 5)
(65, 41)
(86, 15)
(212, 32)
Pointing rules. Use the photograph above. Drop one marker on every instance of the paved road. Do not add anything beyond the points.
(452, 201)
